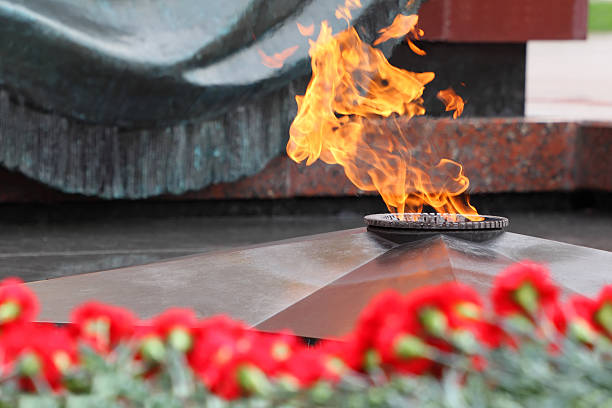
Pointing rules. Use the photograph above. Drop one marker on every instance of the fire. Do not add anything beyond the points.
(277, 60)
(452, 101)
(306, 31)
(344, 12)
(401, 27)
(353, 113)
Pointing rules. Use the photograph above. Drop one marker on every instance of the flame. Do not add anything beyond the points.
(452, 101)
(277, 60)
(353, 113)
(306, 31)
(344, 12)
(402, 26)
(414, 48)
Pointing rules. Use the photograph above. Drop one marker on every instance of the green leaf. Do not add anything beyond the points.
(91, 359)
(88, 401)
(163, 401)
(180, 375)
(106, 385)
(37, 401)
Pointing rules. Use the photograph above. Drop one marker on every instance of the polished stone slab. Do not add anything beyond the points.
(250, 284)
(317, 285)
(332, 310)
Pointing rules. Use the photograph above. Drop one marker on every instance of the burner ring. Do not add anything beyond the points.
(434, 222)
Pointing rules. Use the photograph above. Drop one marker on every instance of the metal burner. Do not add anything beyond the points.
(403, 227)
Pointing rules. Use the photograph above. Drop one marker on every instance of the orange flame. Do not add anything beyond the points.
(277, 60)
(400, 27)
(452, 101)
(414, 48)
(344, 12)
(352, 114)
(306, 31)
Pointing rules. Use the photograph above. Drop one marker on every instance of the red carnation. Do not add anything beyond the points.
(150, 348)
(382, 324)
(306, 366)
(102, 326)
(581, 314)
(387, 306)
(524, 288)
(556, 315)
(280, 348)
(399, 346)
(603, 310)
(245, 373)
(18, 304)
(340, 357)
(220, 345)
(233, 361)
(460, 305)
(176, 326)
(589, 316)
(39, 350)
(446, 312)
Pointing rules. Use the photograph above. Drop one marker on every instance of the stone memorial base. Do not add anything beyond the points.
(317, 285)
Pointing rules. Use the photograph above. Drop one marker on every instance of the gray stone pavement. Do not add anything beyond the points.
(37, 251)
(570, 80)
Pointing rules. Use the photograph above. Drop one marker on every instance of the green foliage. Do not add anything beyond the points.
(600, 16)
(569, 375)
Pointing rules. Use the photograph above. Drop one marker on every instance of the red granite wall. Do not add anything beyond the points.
(498, 155)
(594, 156)
(503, 20)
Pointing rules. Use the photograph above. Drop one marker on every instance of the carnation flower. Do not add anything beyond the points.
(603, 310)
(591, 316)
(401, 349)
(176, 326)
(525, 288)
(18, 304)
(221, 349)
(102, 326)
(39, 350)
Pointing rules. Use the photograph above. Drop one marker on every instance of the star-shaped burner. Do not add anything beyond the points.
(317, 285)
(403, 227)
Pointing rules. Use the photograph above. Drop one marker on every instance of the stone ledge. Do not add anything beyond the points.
(498, 155)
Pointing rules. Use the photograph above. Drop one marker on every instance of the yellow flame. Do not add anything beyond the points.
(353, 112)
